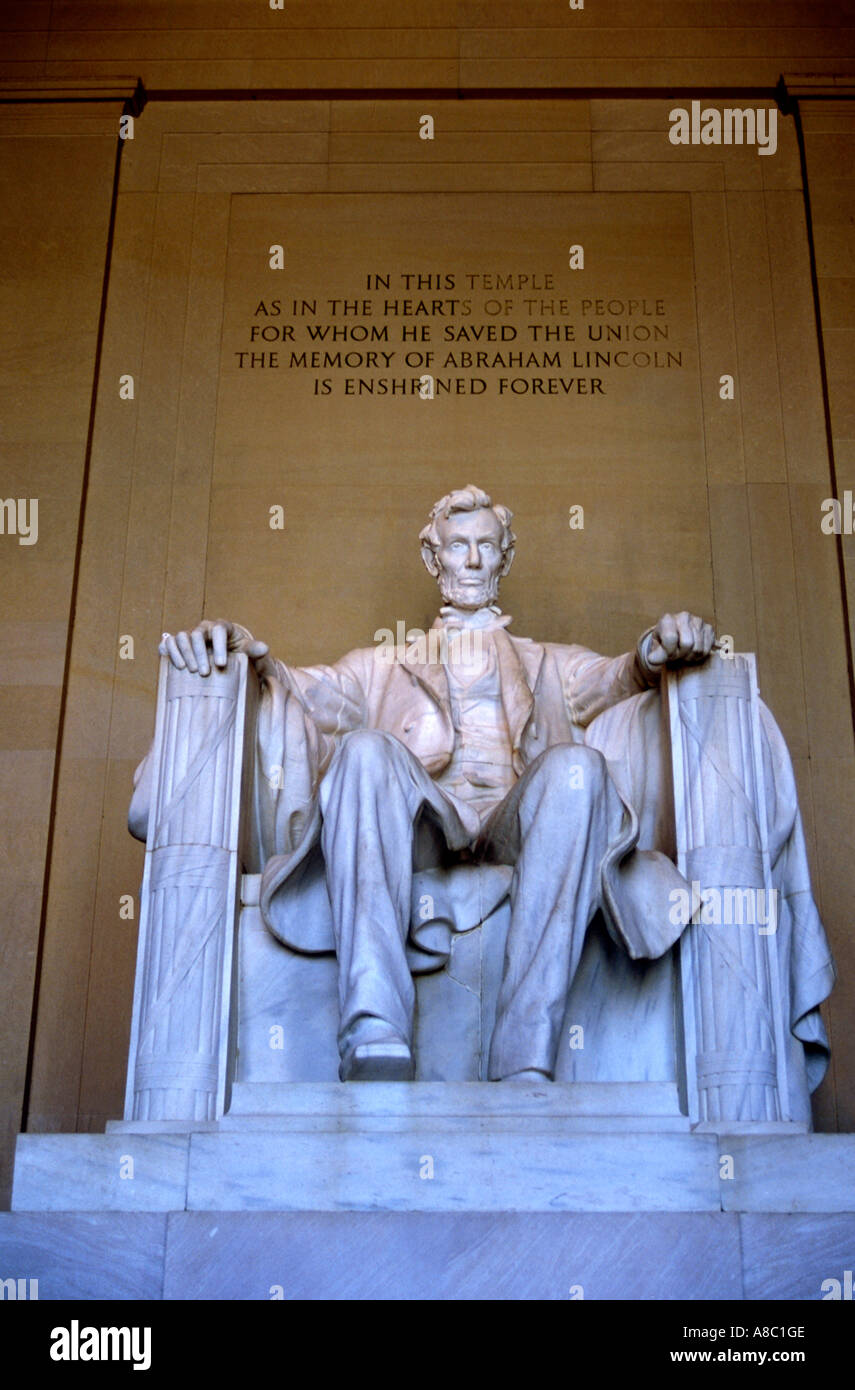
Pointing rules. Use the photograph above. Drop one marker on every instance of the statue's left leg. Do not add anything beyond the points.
(555, 826)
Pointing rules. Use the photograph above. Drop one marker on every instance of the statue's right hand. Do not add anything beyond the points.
(211, 642)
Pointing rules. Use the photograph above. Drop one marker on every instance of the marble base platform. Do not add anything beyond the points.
(426, 1256)
(438, 1147)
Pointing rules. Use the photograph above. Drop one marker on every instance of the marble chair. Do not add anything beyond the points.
(705, 1036)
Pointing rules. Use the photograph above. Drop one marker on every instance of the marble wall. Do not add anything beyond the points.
(59, 162)
(204, 45)
(178, 475)
(829, 142)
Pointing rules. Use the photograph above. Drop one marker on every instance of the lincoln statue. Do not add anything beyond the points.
(468, 744)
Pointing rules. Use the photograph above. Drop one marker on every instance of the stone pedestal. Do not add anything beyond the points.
(431, 1191)
(437, 1147)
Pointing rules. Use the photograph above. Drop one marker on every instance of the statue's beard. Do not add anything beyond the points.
(471, 595)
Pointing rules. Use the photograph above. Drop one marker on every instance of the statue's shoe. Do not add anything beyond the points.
(391, 1060)
(529, 1074)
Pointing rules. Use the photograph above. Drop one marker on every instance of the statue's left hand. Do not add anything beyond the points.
(678, 639)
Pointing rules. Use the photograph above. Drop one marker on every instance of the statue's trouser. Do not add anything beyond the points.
(554, 826)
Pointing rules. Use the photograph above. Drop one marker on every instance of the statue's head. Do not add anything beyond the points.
(468, 546)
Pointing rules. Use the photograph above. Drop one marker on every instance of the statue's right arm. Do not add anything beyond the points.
(209, 645)
(141, 800)
(206, 646)
(333, 697)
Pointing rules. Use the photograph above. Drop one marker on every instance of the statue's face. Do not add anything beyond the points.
(469, 558)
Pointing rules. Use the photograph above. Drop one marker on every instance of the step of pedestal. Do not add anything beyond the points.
(478, 1167)
(345, 1255)
(480, 1164)
(457, 1107)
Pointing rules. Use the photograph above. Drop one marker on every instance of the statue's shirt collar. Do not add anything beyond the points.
(485, 619)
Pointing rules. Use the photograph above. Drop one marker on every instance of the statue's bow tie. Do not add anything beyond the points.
(486, 619)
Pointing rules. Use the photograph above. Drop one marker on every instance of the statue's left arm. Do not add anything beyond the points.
(593, 683)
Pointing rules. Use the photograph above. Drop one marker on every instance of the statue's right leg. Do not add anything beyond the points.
(371, 797)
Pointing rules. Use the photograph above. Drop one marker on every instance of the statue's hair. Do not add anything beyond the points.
(467, 499)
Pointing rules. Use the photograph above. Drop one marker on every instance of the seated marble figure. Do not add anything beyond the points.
(472, 745)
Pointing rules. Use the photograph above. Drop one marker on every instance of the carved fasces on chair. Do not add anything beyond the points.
(733, 1014)
(182, 1020)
